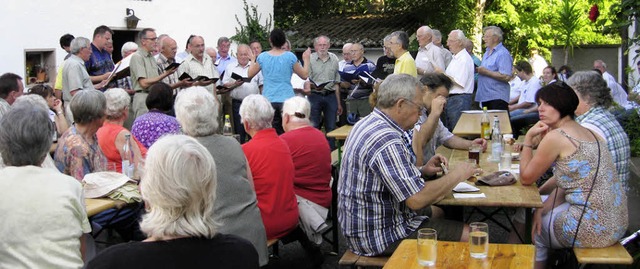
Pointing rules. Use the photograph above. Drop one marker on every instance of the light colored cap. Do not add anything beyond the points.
(100, 184)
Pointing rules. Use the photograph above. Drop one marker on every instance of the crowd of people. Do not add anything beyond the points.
(210, 198)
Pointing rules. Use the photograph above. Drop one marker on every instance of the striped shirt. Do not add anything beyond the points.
(376, 177)
(617, 140)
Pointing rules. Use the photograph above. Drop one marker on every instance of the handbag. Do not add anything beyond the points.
(564, 257)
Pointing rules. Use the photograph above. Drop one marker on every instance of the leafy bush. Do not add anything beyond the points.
(253, 30)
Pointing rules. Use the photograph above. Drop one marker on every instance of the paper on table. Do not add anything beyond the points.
(468, 195)
(465, 187)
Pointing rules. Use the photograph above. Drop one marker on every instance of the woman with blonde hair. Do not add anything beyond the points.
(179, 189)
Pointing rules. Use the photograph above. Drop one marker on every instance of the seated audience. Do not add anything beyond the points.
(311, 157)
(179, 188)
(525, 104)
(236, 208)
(380, 189)
(55, 110)
(111, 136)
(271, 166)
(78, 154)
(549, 75)
(603, 220)
(152, 125)
(42, 210)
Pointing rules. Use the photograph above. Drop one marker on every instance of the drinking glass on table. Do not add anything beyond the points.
(479, 240)
(475, 176)
(474, 152)
(427, 246)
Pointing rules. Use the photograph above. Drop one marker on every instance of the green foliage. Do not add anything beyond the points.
(253, 30)
(537, 24)
(631, 125)
(568, 21)
(623, 13)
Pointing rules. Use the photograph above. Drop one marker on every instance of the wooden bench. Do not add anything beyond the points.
(615, 254)
(334, 158)
(356, 261)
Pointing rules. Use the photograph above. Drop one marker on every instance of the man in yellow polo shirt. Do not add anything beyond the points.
(398, 44)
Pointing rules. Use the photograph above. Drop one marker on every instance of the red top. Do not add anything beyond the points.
(107, 140)
(272, 170)
(312, 159)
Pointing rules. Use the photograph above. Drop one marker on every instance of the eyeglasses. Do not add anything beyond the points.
(420, 107)
(150, 38)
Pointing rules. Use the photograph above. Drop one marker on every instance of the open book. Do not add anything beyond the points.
(239, 77)
(321, 85)
(198, 78)
(368, 78)
(353, 74)
(121, 70)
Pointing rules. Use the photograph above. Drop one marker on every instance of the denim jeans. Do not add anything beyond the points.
(324, 108)
(238, 127)
(455, 105)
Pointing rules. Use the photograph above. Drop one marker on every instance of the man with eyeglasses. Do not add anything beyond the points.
(325, 101)
(383, 198)
(144, 70)
(398, 44)
(358, 97)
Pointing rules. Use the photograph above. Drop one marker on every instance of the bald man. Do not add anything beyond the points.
(168, 48)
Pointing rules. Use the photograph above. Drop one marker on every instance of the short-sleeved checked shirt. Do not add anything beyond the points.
(617, 139)
(376, 178)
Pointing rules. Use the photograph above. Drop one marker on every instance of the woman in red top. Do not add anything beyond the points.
(272, 168)
(111, 136)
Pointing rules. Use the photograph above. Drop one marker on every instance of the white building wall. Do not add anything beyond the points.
(38, 24)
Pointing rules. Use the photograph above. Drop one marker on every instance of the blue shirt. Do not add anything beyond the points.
(376, 178)
(221, 63)
(99, 63)
(277, 71)
(496, 60)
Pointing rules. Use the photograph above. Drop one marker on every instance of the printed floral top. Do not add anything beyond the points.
(75, 157)
(605, 219)
(151, 126)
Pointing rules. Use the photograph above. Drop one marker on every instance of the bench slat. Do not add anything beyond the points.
(348, 258)
(615, 254)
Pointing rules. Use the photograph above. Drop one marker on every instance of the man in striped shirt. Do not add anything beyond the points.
(381, 191)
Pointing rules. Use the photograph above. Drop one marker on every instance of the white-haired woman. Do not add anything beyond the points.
(271, 167)
(43, 216)
(236, 205)
(179, 189)
(111, 136)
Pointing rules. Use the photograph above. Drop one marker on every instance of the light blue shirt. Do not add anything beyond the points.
(498, 60)
(277, 71)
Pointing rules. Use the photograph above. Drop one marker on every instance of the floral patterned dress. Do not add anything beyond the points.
(75, 157)
(605, 218)
(151, 126)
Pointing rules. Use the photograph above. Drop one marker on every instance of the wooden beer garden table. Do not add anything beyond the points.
(340, 134)
(97, 205)
(456, 255)
(469, 122)
(511, 196)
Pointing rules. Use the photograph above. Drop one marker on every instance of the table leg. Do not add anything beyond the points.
(528, 224)
(339, 144)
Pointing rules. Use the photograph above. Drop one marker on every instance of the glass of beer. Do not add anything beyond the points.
(474, 152)
(427, 246)
(479, 240)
